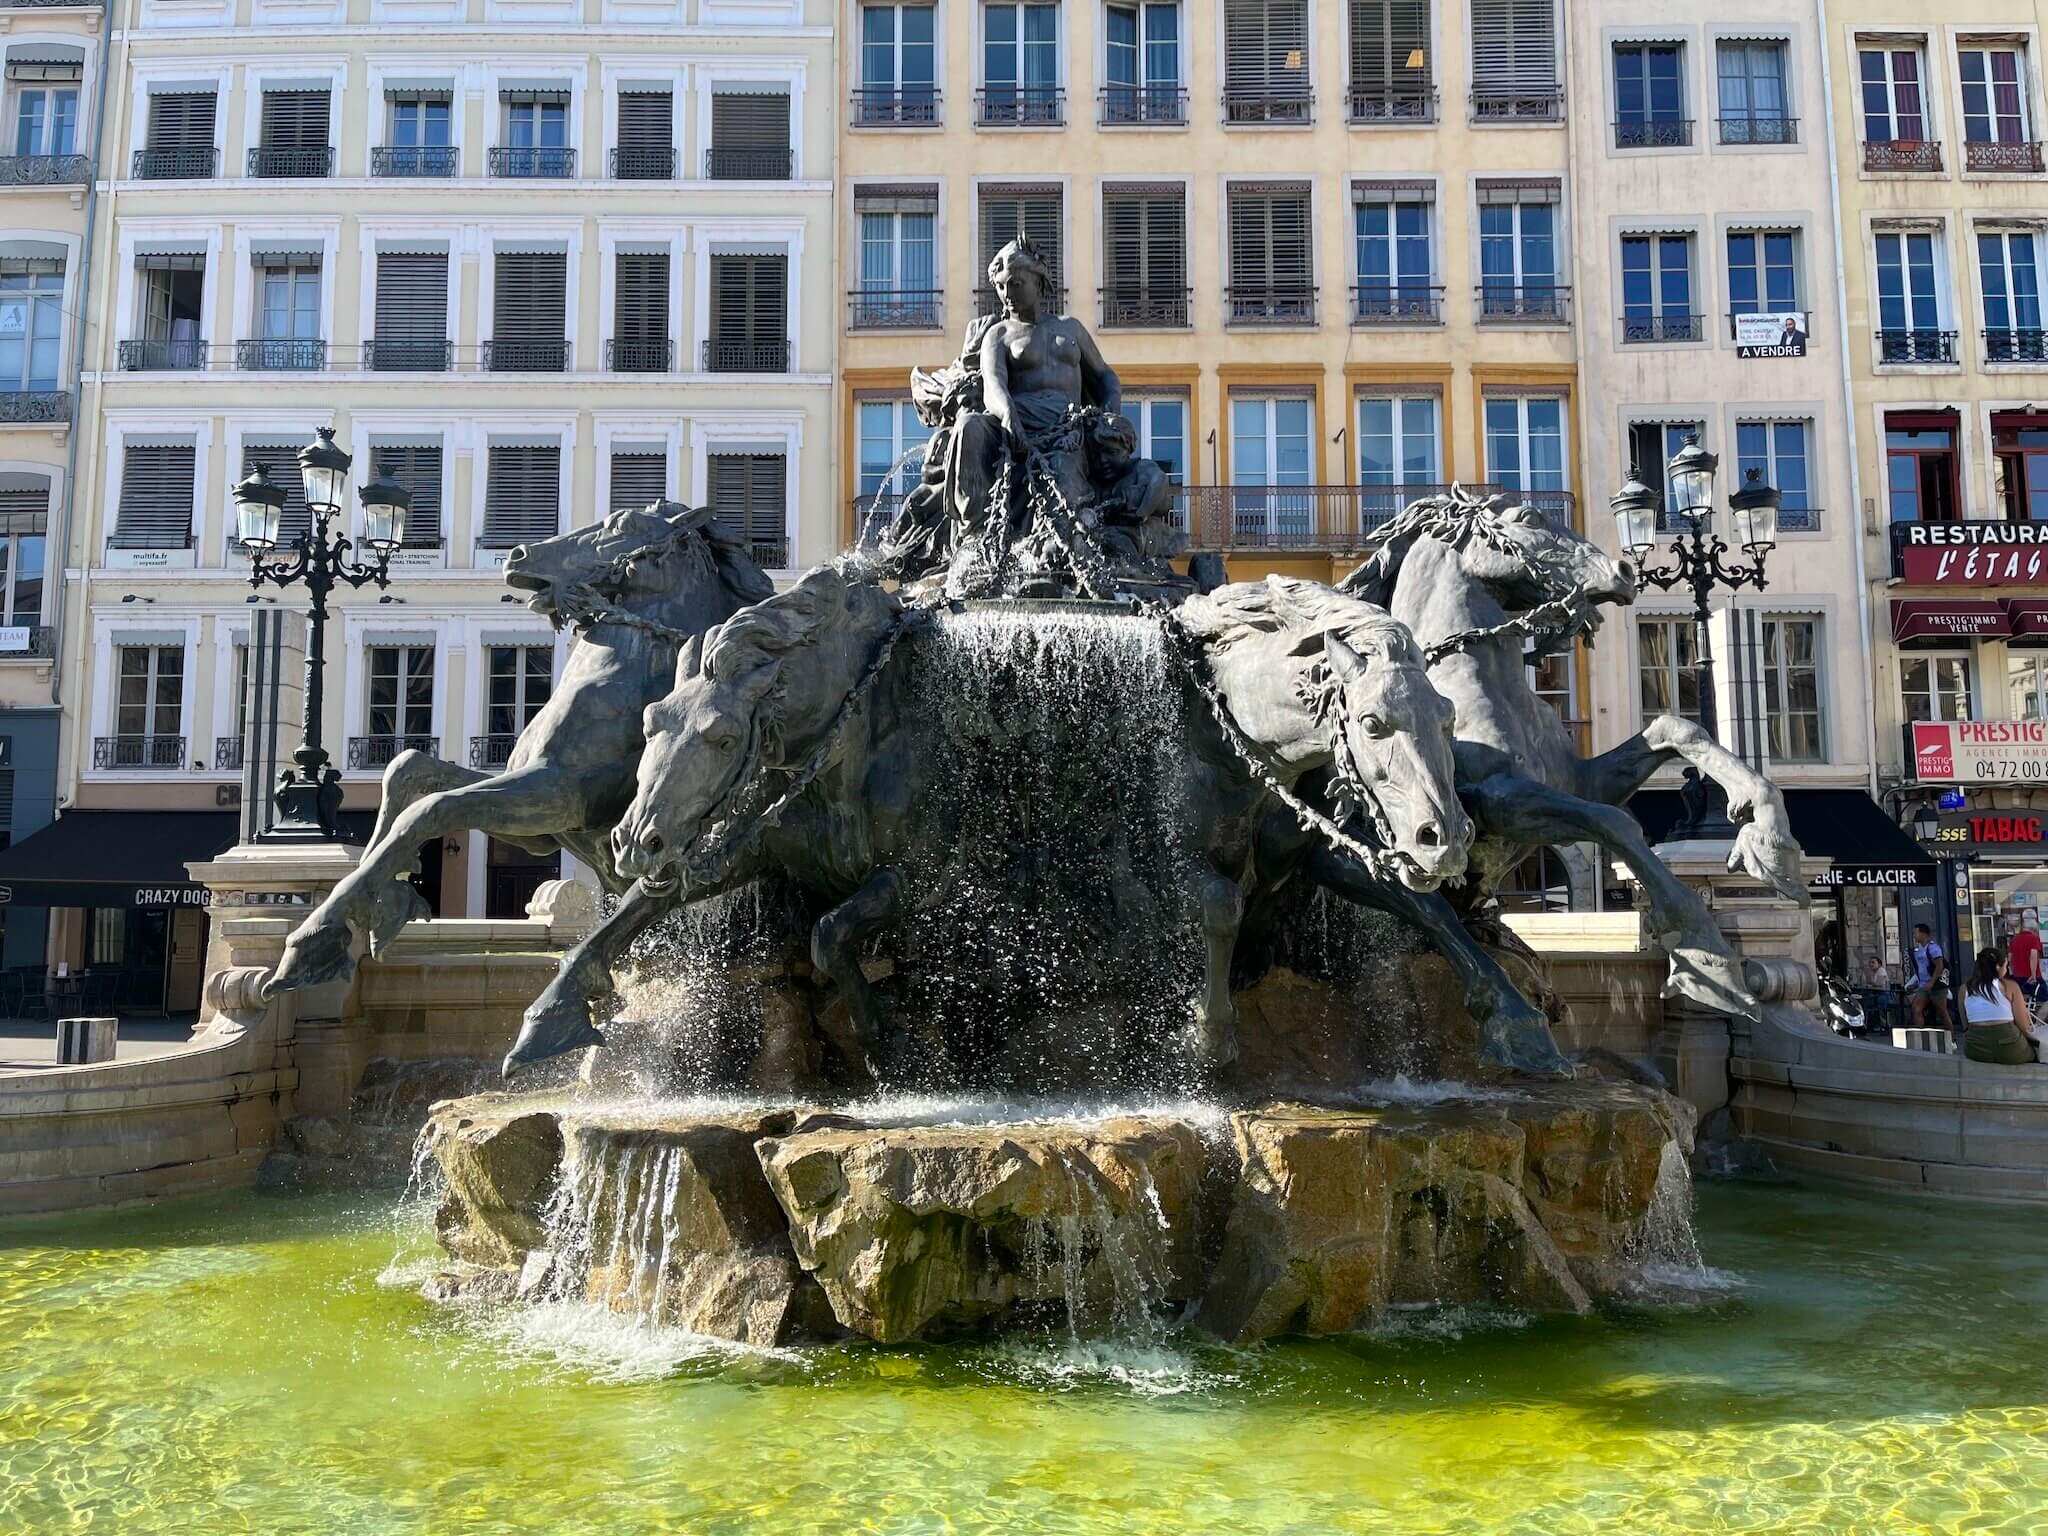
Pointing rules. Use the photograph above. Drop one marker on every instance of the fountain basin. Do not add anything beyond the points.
(779, 1225)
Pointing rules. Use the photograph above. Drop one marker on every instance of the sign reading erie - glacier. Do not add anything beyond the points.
(1981, 751)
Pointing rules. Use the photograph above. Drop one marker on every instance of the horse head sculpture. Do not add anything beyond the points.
(635, 560)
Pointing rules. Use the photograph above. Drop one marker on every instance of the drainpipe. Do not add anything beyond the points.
(1827, 87)
(92, 207)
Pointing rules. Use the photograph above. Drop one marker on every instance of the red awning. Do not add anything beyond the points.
(2029, 617)
(1937, 618)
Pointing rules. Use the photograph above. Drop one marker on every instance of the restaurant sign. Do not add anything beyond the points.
(1974, 554)
(1981, 752)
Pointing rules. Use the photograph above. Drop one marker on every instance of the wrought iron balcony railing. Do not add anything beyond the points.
(1524, 303)
(1665, 133)
(138, 752)
(176, 164)
(1325, 518)
(406, 354)
(1538, 106)
(1124, 105)
(271, 355)
(1759, 130)
(377, 751)
(2016, 159)
(1294, 107)
(409, 160)
(1020, 106)
(525, 356)
(987, 302)
(160, 356)
(1902, 154)
(1916, 346)
(656, 162)
(291, 162)
(894, 309)
(553, 163)
(1270, 304)
(1144, 306)
(769, 554)
(1398, 104)
(227, 754)
(894, 106)
(493, 751)
(39, 642)
(2019, 344)
(34, 407)
(45, 170)
(1396, 304)
(639, 354)
(1665, 327)
(747, 164)
(767, 356)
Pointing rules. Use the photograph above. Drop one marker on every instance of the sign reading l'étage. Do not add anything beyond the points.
(1974, 554)
(1782, 334)
(1981, 752)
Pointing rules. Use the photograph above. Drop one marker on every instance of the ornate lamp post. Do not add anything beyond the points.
(1697, 563)
(308, 799)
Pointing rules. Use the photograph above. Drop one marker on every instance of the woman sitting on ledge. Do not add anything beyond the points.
(1998, 1023)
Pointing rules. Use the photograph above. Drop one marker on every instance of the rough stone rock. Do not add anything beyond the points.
(1528, 1199)
(499, 1155)
(920, 1231)
(1299, 1034)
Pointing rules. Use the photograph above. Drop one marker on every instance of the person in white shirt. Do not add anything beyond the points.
(1996, 1024)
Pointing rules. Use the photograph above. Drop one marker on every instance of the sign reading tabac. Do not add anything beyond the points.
(1974, 554)
(1782, 334)
(1981, 751)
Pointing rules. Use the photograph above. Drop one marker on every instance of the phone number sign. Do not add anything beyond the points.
(1981, 752)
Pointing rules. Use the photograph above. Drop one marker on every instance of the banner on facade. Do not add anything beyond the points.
(1782, 334)
(1981, 752)
(1981, 554)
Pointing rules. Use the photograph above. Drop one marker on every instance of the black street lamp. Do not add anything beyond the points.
(1697, 564)
(309, 800)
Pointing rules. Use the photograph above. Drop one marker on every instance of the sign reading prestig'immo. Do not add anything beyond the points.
(1981, 751)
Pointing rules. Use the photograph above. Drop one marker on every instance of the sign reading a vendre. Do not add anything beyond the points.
(1981, 751)
(1974, 554)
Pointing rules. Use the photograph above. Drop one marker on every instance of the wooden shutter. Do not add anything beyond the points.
(412, 308)
(281, 462)
(1514, 47)
(1269, 239)
(156, 496)
(1265, 48)
(24, 508)
(1010, 211)
(181, 120)
(639, 477)
(750, 300)
(417, 467)
(1385, 34)
(750, 136)
(293, 120)
(647, 121)
(523, 495)
(640, 297)
(1145, 238)
(749, 494)
(530, 300)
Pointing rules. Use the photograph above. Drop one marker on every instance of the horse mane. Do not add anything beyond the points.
(1450, 516)
(727, 554)
(766, 631)
(1308, 610)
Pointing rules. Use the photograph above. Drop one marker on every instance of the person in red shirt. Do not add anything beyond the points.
(2025, 951)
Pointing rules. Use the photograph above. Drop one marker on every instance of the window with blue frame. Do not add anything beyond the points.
(46, 120)
(1396, 264)
(1909, 327)
(1399, 446)
(1518, 260)
(1763, 271)
(1782, 452)
(1751, 79)
(1141, 45)
(1656, 289)
(1649, 96)
(1652, 445)
(2009, 273)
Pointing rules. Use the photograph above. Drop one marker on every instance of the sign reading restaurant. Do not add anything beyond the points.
(1974, 554)
(1981, 751)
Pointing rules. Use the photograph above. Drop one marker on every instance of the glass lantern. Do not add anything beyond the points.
(1635, 518)
(1755, 509)
(259, 511)
(1691, 472)
(385, 503)
(325, 470)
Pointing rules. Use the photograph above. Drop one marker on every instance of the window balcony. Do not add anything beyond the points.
(1290, 108)
(1902, 155)
(181, 355)
(894, 106)
(45, 170)
(491, 752)
(644, 163)
(291, 163)
(1917, 347)
(415, 160)
(748, 164)
(39, 643)
(1144, 307)
(1407, 104)
(1020, 106)
(1524, 304)
(524, 356)
(746, 356)
(175, 164)
(138, 752)
(227, 754)
(1396, 304)
(1315, 518)
(34, 407)
(894, 309)
(2009, 159)
(271, 355)
(639, 354)
(1637, 329)
(1495, 106)
(376, 752)
(1671, 133)
(1270, 304)
(1125, 106)
(769, 554)
(2017, 345)
(988, 302)
(1759, 130)
(540, 164)
(408, 355)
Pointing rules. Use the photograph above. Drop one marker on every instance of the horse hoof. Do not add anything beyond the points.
(1212, 1044)
(397, 905)
(1522, 1043)
(551, 1030)
(316, 953)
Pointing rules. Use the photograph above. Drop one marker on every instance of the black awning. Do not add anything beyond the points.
(114, 859)
(1845, 825)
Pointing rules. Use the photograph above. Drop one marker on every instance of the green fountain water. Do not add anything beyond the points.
(235, 1365)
